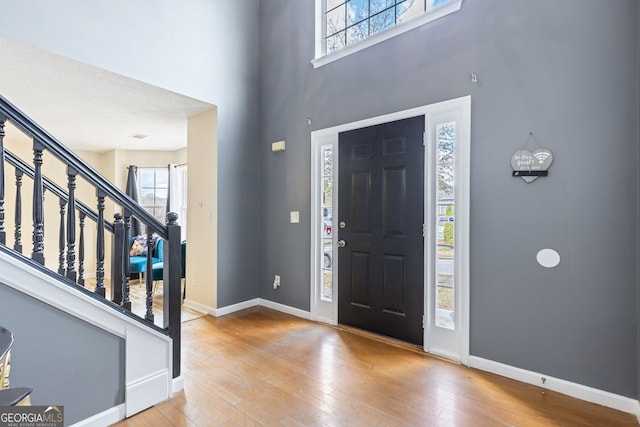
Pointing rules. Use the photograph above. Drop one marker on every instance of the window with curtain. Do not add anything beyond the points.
(153, 190)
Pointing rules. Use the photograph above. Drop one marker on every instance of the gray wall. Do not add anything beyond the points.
(65, 360)
(206, 49)
(566, 71)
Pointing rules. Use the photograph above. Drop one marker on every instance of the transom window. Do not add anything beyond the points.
(344, 24)
(353, 20)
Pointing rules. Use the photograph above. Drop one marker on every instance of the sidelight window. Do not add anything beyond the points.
(445, 229)
(326, 205)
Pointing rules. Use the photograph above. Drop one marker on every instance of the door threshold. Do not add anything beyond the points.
(415, 348)
(380, 338)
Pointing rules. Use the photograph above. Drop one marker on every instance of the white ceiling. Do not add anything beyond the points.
(87, 108)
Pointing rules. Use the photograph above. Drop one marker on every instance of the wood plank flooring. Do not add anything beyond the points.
(261, 367)
(138, 298)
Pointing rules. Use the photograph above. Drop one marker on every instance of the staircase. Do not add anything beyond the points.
(64, 285)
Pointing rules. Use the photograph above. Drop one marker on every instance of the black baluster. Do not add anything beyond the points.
(149, 276)
(17, 245)
(81, 249)
(61, 241)
(71, 225)
(171, 284)
(126, 302)
(38, 205)
(117, 268)
(100, 246)
(3, 233)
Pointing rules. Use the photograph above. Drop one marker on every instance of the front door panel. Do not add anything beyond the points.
(381, 190)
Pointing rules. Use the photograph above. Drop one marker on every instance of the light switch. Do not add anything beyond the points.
(278, 146)
(295, 217)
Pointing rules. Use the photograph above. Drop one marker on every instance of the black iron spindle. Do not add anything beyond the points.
(100, 246)
(38, 205)
(81, 249)
(61, 239)
(17, 244)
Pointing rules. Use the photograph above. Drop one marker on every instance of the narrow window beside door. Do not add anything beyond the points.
(445, 241)
(326, 157)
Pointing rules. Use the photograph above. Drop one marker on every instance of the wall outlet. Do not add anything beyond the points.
(194, 282)
(276, 282)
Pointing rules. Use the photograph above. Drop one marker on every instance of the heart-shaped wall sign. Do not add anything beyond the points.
(526, 161)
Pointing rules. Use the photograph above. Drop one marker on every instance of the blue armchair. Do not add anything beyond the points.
(158, 267)
(138, 263)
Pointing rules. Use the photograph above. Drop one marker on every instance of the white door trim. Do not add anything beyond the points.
(328, 313)
(450, 344)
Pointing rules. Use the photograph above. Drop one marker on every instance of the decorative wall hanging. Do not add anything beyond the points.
(530, 165)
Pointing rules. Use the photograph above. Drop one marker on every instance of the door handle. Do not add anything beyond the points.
(342, 243)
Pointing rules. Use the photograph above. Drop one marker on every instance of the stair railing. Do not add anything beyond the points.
(70, 266)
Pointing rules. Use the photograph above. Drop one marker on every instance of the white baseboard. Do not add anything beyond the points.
(638, 411)
(146, 392)
(177, 384)
(236, 307)
(579, 391)
(252, 303)
(199, 307)
(285, 309)
(105, 418)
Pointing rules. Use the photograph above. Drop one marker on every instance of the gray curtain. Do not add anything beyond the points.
(132, 191)
(169, 166)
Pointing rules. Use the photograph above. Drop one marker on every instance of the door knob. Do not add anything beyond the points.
(342, 243)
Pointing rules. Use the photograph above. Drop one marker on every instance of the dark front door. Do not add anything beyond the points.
(381, 190)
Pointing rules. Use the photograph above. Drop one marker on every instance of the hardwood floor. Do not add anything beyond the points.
(261, 367)
(138, 298)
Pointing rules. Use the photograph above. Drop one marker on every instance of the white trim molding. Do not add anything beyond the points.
(143, 393)
(262, 303)
(194, 305)
(177, 384)
(579, 391)
(236, 307)
(104, 418)
(285, 309)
